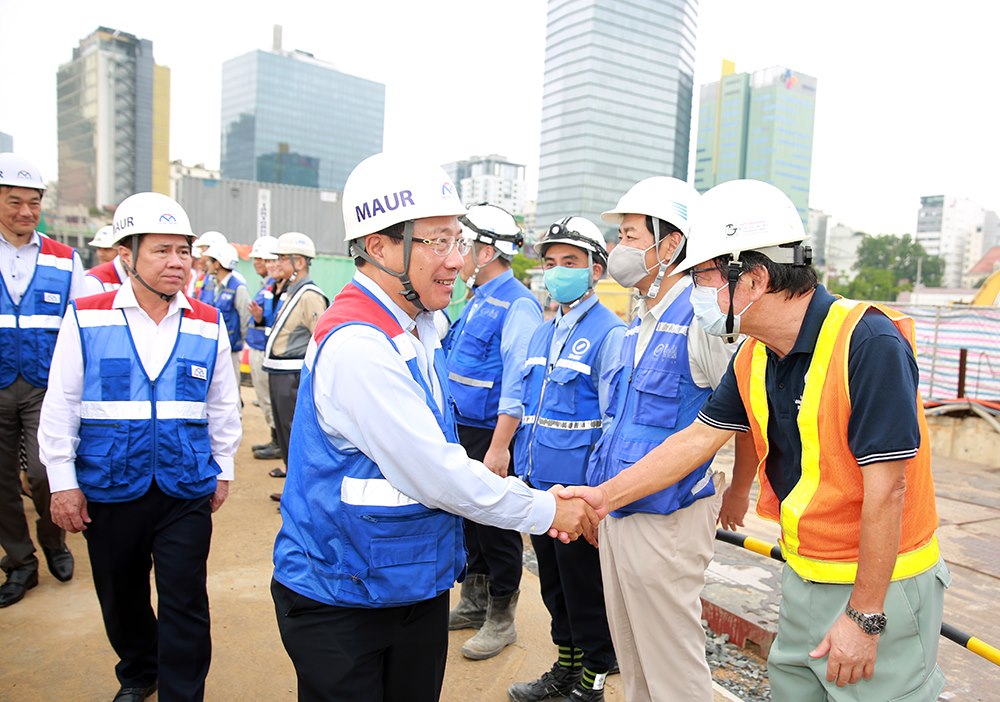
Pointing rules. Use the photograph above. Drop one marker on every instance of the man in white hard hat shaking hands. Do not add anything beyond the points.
(39, 278)
(371, 538)
(139, 430)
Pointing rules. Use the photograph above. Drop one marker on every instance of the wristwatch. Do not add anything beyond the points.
(872, 624)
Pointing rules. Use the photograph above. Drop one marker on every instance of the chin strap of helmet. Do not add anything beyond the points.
(408, 292)
(659, 227)
(130, 269)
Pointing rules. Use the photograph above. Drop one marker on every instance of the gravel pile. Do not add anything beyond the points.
(740, 671)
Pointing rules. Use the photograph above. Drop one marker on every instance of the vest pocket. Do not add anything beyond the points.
(192, 381)
(96, 465)
(474, 343)
(471, 400)
(657, 399)
(561, 455)
(198, 465)
(560, 395)
(116, 374)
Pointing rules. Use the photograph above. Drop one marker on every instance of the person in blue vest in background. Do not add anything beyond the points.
(371, 536)
(138, 434)
(263, 309)
(486, 349)
(565, 393)
(204, 281)
(39, 278)
(669, 365)
(231, 297)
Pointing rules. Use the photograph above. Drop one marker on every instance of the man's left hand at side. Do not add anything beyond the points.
(221, 493)
(851, 652)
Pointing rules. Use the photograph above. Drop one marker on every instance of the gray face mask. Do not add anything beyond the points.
(627, 265)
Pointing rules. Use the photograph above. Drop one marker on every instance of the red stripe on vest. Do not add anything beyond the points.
(352, 305)
(105, 272)
(100, 301)
(199, 310)
(55, 248)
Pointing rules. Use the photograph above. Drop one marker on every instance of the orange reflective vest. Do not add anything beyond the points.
(821, 517)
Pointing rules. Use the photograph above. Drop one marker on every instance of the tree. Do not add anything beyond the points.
(899, 257)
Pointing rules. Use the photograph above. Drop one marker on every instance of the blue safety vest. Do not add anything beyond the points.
(656, 398)
(475, 365)
(562, 411)
(28, 330)
(225, 302)
(348, 537)
(257, 334)
(134, 428)
(207, 292)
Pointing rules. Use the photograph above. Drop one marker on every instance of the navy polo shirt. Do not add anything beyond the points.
(882, 377)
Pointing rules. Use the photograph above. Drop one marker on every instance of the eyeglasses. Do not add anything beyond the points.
(695, 272)
(443, 245)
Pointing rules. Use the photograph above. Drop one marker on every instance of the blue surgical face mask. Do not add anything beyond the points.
(567, 285)
(705, 301)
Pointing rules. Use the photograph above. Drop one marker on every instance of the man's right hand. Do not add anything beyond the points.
(596, 497)
(69, 510)
(256, 311)
(574, 518)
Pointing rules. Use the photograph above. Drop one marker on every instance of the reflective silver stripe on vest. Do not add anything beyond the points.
(141, 409)
(30, 321)
(577, 425)
(372, 492)
(671, 328)
(573, 365)
(498, 302)
(471, 382)
(535, 361)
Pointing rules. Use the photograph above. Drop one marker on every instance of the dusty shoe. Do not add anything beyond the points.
(583, 694)
(470, 612)
(497, 631)
(557, 682)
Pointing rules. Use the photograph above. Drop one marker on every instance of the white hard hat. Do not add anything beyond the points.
(493, 225)
(386, 189)
(745, 215)
(662, 197)
(102, 239)
(209, 238)
(149, 213)
(576, 231)
(263, 248)
(225, 253)
(295, 243)
(19, 173)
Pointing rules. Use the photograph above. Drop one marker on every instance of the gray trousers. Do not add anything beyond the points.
(20, 407)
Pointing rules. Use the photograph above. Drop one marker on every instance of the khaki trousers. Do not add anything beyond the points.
(260, 379)
(653, 566)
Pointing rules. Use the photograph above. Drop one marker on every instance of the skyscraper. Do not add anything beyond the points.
(113, 120)
(945, 224)
(491, 179)
(616, 107)
(757, 125)
(290, 118)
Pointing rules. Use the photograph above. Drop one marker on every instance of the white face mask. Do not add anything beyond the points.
(627, 265)
(705, 302)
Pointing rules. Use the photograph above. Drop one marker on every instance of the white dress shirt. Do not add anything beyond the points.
(366, 398)
(17, 264)
(708, 355)
(58, 431)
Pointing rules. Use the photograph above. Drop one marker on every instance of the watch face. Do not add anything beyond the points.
(874, 623)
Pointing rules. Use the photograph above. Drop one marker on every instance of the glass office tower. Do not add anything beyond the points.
(289, 118)
(616, 107)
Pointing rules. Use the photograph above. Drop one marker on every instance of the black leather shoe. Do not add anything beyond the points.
(60, 562)
(134, 694)
(19, 581)
(267, 453)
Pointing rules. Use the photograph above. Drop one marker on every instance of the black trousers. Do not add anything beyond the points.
(572, 590)
(496, 553)
(20, 408)
(348, 654)
(284, 389)
(124, 540)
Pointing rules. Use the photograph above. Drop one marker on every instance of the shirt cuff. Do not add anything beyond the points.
(226, 463)
(510, 407)
(543, 512)
(62, 477)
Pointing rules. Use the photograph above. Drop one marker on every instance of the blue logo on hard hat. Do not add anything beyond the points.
(24, 174)
(447, 189)
(168, 219)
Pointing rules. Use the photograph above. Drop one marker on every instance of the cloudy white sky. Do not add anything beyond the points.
(905, 102)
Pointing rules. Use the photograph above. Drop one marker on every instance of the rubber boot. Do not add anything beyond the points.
(497, 631)
(470, 612)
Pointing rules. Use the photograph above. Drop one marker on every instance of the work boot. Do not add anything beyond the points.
(269, 451)
(497, 631)
(586, 694)
(272, 442)
(557, 682)
(470, 612)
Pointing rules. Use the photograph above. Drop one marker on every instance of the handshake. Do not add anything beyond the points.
(579, 509)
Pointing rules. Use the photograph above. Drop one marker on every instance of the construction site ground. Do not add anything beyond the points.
(54, 646)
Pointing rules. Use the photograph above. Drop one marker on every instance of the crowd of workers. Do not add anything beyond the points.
(417, 451)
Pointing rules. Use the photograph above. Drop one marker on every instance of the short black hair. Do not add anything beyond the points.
(793, 280)
(393, 231)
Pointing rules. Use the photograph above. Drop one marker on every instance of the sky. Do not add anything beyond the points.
(905, 98)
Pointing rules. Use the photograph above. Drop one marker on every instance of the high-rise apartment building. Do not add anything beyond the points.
(491, 179)
(289, 118)
(757, 125)
(945, 226)
(113, 120)
(616, 106)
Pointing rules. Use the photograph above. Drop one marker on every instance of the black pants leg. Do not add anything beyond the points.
(573, 593)
(347, 654)
(284, 388)
(497, 553)
(123, 540)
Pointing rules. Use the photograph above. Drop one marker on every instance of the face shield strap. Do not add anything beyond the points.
(130, 269)
(661, 230)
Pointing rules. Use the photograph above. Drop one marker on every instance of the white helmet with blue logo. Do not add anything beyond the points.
(661, 197)
(102, 239)
(19, 173)
(386, 189)
(149, 213)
